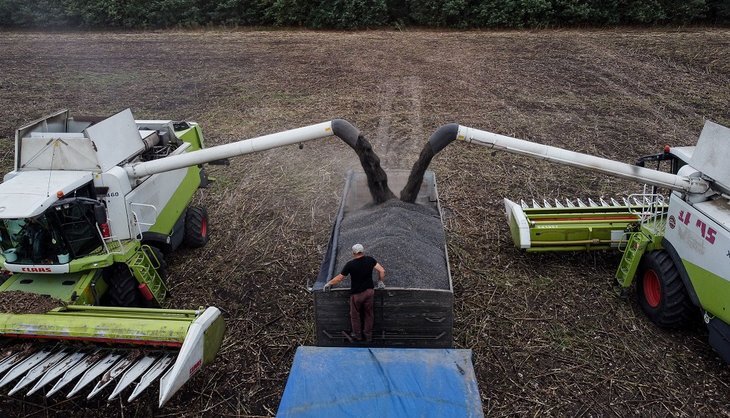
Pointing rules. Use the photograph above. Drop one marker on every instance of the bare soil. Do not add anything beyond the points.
(549, 334)
(31, 303)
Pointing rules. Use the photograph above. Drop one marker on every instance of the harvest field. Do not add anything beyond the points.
(549, 332)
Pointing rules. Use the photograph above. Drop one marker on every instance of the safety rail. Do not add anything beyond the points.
(651, 210)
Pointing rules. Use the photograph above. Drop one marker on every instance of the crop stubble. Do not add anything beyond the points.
(549, 334)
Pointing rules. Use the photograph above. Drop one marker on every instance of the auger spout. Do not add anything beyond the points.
(451, 132)
(377, 179)
(243, 147)
(584, 161)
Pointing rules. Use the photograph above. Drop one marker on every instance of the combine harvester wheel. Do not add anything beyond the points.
(661, 293)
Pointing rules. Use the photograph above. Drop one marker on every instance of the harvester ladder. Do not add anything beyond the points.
(631, 258)
(144, 269)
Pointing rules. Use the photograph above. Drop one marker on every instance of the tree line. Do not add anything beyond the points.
(351, 14)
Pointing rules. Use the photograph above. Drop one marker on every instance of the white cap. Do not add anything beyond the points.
(357, 249)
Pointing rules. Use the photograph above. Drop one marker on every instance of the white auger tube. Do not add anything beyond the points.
(339, 127)
(693, 185)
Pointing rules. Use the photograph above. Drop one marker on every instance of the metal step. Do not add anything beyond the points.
(143, 269)
(632, 256)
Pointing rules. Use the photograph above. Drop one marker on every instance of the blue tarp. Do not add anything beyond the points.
(381, 382)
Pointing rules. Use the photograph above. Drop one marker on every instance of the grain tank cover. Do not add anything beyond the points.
(58, 142)
(116, 139)
(712, 153)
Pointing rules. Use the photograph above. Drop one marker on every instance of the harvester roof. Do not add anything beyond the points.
(30, 193)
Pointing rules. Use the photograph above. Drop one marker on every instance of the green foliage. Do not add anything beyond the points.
(644, 11)
(438, 13)
(133, 13)
(514, 13)
(235, 12)
(718, 11)
(32, 13)
(288, 12)
(349, 14)
(680, 11)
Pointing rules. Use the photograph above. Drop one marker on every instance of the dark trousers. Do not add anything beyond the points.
(361, 306)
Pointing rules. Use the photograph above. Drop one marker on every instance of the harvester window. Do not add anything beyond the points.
(30, 241)
(78, 227)
(9, 233)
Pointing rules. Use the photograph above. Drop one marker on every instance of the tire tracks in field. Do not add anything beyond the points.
(400, 124)
(663, 110)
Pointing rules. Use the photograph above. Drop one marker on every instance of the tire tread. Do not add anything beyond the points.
(675, 307)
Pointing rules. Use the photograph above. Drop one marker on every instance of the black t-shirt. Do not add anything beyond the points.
(360, 271)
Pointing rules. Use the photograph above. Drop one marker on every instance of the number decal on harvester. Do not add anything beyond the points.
(708, 233)
(684, 217)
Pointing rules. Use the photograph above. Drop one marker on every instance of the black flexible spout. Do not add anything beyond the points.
(345, 131)
(377, 178)
(442, 137)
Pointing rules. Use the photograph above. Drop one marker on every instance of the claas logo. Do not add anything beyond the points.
(36, 269)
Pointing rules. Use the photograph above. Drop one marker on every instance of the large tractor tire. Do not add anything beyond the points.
(196, 227)
(661, 293)
(123, 290)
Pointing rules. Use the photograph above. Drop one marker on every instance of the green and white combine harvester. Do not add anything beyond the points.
(85, 218)
(677, 252)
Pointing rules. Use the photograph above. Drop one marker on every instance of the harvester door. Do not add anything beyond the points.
(77, 223)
